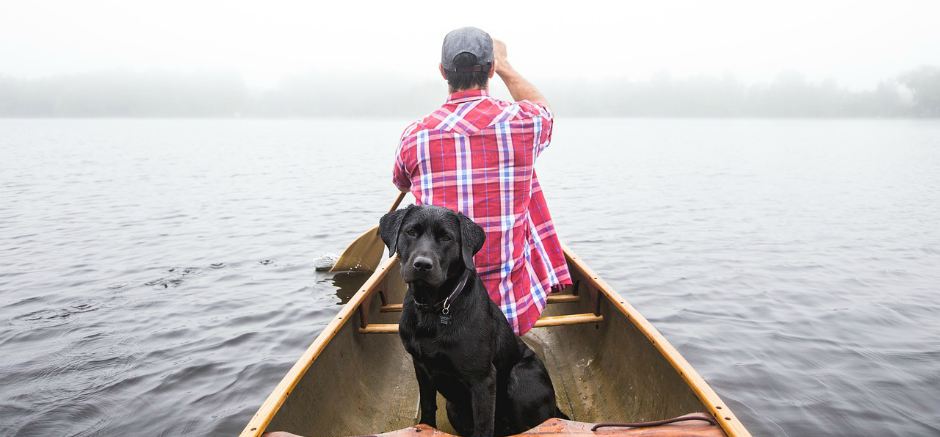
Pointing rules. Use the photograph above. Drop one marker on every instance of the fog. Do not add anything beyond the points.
(303, 59)
(915, 93)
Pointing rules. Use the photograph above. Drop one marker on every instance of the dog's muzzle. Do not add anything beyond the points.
(422, 264)
(422, 268)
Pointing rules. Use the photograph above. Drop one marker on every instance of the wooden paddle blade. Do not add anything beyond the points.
(364, 254)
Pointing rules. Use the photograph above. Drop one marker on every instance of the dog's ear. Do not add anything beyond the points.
(390, 226)
(471, 240)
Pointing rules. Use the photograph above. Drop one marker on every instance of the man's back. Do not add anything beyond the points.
(475, 154)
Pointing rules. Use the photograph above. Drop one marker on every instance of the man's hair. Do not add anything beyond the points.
(466, 76)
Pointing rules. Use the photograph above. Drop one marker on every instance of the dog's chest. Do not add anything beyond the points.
(440, 366)
(430, 350)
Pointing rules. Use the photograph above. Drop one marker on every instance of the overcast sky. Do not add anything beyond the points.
(856, 43)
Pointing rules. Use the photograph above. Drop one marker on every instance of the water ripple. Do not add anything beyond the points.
(159, 274)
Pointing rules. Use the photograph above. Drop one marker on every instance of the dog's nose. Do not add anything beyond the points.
(422, 263)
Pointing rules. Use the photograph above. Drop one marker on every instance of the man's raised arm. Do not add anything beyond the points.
(519, 87)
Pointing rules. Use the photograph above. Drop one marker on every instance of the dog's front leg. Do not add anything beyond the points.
(483, 393)
(427, 396)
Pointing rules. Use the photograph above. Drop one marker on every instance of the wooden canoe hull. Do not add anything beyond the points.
(351, 381)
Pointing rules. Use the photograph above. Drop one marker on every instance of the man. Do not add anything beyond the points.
(475, 154)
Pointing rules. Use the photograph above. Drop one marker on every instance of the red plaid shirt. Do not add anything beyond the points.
(475, 155)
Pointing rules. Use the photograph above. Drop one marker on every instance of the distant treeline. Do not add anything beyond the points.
(915, 93)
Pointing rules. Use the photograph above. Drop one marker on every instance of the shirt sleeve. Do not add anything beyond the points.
(401, 177)
(542, 123)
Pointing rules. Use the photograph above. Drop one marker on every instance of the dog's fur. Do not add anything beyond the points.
(493, 382)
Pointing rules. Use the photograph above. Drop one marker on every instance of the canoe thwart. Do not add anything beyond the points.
(544, 322)
(552, 298)
(379, 328)
(391, 308)
(568, 319)
(563, 298)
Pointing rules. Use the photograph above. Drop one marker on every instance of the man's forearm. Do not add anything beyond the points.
(519, 87)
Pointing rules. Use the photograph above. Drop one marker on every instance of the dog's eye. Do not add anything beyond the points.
(445, 237)
(411, 232)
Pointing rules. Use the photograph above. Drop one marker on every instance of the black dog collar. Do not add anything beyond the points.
(445, 304)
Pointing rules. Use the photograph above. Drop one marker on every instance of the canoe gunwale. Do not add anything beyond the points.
(726, 419)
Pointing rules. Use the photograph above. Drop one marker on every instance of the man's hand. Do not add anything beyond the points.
(518, 86)
(499, 55)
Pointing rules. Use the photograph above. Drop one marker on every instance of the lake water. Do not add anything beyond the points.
(157, 275)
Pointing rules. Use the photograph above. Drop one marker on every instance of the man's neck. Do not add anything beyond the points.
(453, 91)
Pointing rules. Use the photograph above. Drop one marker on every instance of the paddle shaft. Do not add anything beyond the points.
(401, 196)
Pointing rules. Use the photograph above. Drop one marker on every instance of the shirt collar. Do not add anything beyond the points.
(467, 95)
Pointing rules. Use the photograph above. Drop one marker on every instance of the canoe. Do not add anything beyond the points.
(607, 363)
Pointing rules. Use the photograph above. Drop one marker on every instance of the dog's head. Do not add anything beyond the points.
(433, 243)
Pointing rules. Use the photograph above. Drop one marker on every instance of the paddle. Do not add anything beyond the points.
(365, 253)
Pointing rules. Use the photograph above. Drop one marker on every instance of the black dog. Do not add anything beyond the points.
(460, 342)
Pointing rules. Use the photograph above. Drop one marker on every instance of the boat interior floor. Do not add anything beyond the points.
(578, 394)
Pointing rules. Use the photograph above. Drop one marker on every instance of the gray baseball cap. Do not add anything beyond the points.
(470, 40)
